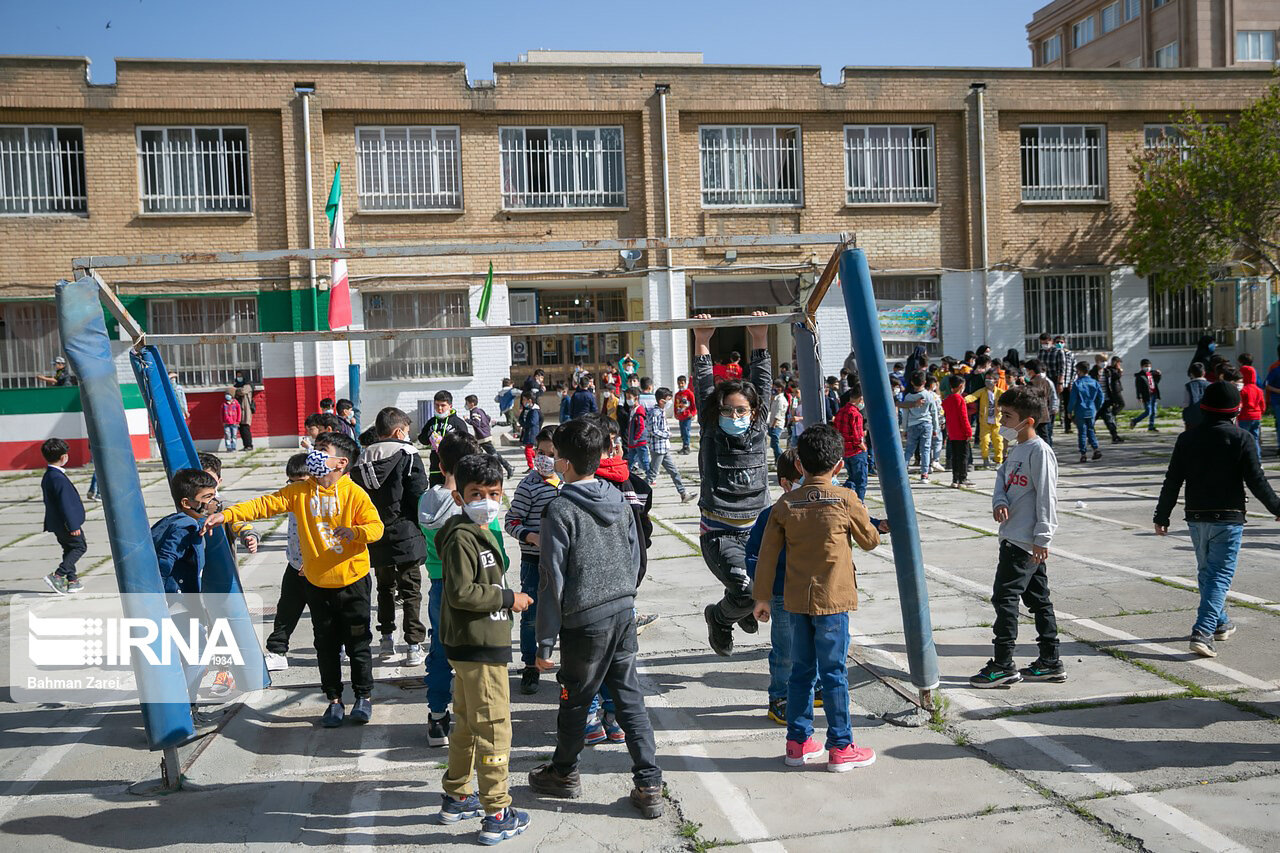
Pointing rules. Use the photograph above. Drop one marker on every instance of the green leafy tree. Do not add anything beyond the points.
(1209, 198)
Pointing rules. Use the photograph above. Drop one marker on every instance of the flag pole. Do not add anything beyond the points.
(353, 369)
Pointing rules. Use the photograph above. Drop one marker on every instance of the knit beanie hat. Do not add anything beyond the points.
(1221, 398)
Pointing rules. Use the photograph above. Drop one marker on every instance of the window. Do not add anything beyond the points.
(194, 169)
(1110, 17)
(1076, 305)
(1255, 46)
(559, 307)
(207, 365)
(909, 289)
(562, 167)
(1179, 317)
(1165, 137)
(1082, 32)
(1064, 162)
(751, 166)
(42, 170)
(1166, 57)
(888, 164)
(29, 342)
(418, 358)
(408, 168)
(1050, 49)
(1156, 4)
(1132, 9)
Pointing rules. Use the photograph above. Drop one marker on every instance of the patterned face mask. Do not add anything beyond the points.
(317, 463)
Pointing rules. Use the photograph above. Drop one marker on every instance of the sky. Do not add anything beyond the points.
(832, 34)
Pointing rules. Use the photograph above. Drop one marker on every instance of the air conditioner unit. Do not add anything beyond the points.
(1241, 303)
(524, 307)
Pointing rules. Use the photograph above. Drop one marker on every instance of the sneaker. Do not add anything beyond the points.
(342, 656)
(415, 656)
(817, 696)
(937, 466)
(800, 754)
(438, 729)
(1152, 429)
(74, 585)
(842, 759)
(1097, 454)
(1044, 670)
(648, 801)
(1119, 439)
(924, 478)
(644, 620)
(749, 624)
(333, 715)
(778, 711)
(92, 496)
(995, 675)
(1202, 644)
(1224, 631)
(56, 582)
(720, 637)
(1084, 457)
(612, 730)
(388, 647)
(544, 780)
(529, 677)
(507, 823)
(595, 732)
(684, 499)
(275, 662)
(362, 711)
(223, 683)
(452, 811)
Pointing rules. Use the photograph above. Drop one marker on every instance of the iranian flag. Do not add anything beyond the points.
(339, 286)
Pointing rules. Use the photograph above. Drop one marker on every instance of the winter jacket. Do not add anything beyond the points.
(582, 402)
(530, 425)
(735, 468)
(481, 423)
(1086, 397)
(637, 428)
(1191, 394)
(590, 562)
(506, 398)
(1147, 384)
(833, 405)
(1252, 400)
(180, 551)
(957, 412)
(435, 508)
(230, 413)
(391, 472)
(433, 431)
(564, 408)
(475, 610)
(1216, 460)
(1114, 388)
(684, 405)
(639, 496)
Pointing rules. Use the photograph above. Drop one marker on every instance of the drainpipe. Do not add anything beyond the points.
(306, 90)
(662, 90)
(979, 89)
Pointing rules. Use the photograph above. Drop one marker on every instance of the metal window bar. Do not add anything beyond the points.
(417, 358)
(1166, 139)
(1074, 305)
(888, 165)
(29, 342)
(212, 364)
(183, 174)
(42, 170)
(907, 289)
(1063, 164)
(751, 166)
(1178, 318)
(415, 170)
(562, 167)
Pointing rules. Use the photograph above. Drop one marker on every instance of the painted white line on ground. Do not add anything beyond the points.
(44, 761)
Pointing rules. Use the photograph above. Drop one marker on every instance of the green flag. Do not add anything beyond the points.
(483, 313)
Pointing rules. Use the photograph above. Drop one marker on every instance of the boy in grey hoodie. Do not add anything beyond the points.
(587, 585)
(1025, 502)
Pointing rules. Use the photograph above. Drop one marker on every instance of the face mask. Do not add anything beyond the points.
(1010, 434)
(1059, 345)
(1212, 347)
(207, 508)
(544, 465)
(991, 383)
(482, 512)
(735, 426)
(317, 463)
(227, 397)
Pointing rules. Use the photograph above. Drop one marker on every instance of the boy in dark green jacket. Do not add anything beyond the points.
(475, 627)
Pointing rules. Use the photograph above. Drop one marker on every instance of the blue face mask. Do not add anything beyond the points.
(1212, 347)
(735, 426)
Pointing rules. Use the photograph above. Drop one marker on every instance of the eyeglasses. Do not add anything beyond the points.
(735, 411)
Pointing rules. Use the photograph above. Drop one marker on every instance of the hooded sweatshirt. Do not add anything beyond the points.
(391, 472)
(434, 430)
(435, 507)
(1252, 400)
(590, 560)
(639, 496)
(1216, 460)
(180, 551)
(475, 610)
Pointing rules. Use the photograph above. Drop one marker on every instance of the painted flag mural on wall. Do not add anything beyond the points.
(483, 312)
(339, 285)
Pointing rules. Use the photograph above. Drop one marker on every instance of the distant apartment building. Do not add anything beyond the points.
(209, 155)
(1155, 34)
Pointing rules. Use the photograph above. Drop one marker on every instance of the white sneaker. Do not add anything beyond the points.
(388, 647)
(276, 663)
(937, 466)
(415, 656)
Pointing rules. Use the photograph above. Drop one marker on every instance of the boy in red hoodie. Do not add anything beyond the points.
(1252, 405)
(848, 422)
(959, 432)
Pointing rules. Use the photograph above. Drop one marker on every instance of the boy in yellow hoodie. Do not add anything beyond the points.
(336, 521)
(989, 439)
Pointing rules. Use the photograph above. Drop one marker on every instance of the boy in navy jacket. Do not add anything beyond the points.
(63, 517)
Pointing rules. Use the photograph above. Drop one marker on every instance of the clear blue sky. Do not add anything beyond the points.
(830, 33)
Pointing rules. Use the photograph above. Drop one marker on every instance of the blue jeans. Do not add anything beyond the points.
(920, 439)
(229, 433)
(439, 677)
(638, 459)
(779, 649)
(1275, 410)
(1149, 412)
(1084, 431)
(1254, 428)
(855, 467)
(1217, 545)
(686, 433)
(529, 618)
(819, 647)
(775, 433)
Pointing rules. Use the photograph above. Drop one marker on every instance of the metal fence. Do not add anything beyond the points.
(751, 166)
(408, 168)
(193, 170)
(1063, 163)
(562, 167)
(213, 364)
(29, 342)
(417, 358)
(1075, 305)
(888, 164)
(42, 170)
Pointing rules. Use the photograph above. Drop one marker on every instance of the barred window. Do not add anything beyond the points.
(208, 365)
(909, 288)
(1075, 305)
(1064, 162)
(29, 342)
(418, 358)
(42, 170)
(408, 168)
(194, 169)
(562, 167)
(1180, 317)
(751, 166)
(888, 164)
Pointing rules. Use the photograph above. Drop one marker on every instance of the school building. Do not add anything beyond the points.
(991, 203)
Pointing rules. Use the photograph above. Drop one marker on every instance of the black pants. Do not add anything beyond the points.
(958, 451)
(340, 617)
(1020, 578)
(407, 577)
(725, 553)
(486, 445)
(604, 652)
(1108, 417)
(73, 548)
(293, 600)
(1064, 406)
(246, 437)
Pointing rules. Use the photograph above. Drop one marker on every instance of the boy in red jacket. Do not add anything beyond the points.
(848, 422)
(1252, 405)
(686, 408)
(959, 432)
(230, 421)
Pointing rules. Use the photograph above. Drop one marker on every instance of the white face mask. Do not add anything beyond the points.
(1010, 434)
(544, 465)
(482, 512)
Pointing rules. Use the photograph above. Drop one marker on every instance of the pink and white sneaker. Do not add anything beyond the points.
(800, 754)
(845, 758)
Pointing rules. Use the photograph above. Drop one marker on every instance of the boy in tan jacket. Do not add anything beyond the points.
(815, 521)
